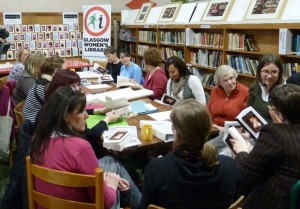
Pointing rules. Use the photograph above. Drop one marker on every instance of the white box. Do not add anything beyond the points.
(117, 140)
(161, 129)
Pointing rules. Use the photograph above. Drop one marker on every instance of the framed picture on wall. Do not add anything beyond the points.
(217, 10)
(144, 12)
(169, 13)
(265, 9)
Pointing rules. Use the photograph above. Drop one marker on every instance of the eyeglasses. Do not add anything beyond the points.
(272, 73)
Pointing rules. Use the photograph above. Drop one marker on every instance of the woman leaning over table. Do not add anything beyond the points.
(183, 85)
(19, 65)
(270, 170)
(269, 75)
(155, 78)
(130, 69)
(192, 175)
(28, 77)
(59, 134)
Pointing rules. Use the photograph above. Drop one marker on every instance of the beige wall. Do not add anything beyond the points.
(64, 5)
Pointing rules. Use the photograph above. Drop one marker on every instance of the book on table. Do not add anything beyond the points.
(120, 137)
(161, 129)
(141, 107)
(97, 88)
(123, 82)
(106, 78)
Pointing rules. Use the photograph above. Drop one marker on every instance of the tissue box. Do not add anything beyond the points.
(161, 129)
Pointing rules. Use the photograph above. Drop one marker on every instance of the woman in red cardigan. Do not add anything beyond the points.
(155, 78)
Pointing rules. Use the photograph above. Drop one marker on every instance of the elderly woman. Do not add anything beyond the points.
(183, 85)
(228, 98)
(270, 170)
(28, 77)
(192, 175)
(19, 65)
(269, 75)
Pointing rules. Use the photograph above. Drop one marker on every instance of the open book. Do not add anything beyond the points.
(251, 120)
(124, 82)
(167, 100)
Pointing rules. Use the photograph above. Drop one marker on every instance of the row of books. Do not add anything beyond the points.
(172, 37)
(63, 52)
(208, 58)
(130, 47)
(142, 49)
(241, 42)
(169, 52)
(208, 80)
(290, 68)
(212, 40)
(147, 36)
(242, 65)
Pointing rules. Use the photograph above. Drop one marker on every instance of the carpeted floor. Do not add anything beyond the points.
(4, 174)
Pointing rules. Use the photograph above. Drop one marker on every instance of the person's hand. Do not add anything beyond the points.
(124, 185)
(112, 180)
(135, 86)
(241, 145)
(111, 117)
(99, 111)
(220, 128)
(274, 115)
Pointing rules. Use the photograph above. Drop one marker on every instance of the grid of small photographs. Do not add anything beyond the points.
(63, 40)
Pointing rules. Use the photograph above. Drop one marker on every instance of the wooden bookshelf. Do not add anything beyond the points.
(265, 36)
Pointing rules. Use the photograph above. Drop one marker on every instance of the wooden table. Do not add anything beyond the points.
(155, 142)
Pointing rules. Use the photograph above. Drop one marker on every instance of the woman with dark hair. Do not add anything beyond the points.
(58, 144)
(114, 64)
(36, 95)
(270, 170)
(269, 75)
(130, 69)
(183, 85)
(192, 175)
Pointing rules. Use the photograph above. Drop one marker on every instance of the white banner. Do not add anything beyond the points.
(96, 31)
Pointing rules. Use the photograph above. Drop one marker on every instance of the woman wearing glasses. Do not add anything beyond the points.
(269, 75)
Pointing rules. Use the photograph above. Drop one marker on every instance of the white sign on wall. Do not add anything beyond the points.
(96, 31)
(12, 18)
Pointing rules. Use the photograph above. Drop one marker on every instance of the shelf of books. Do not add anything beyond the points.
(206, 47)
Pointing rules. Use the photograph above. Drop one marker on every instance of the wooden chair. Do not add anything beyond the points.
(151, 206)
(294, 195)
(18, 113)
(238, 204)
(63, 179)
(3, 81)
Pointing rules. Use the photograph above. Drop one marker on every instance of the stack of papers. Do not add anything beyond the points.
(141, 107)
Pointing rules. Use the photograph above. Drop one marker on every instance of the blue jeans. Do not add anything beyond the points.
(110, 164)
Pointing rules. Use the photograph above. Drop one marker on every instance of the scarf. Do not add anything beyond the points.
(178, 86)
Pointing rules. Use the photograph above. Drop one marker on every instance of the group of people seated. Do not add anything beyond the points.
(192, 174)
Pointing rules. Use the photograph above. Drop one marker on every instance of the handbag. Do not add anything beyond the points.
(6, 123)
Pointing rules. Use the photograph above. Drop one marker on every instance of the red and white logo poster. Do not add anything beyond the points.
(96, 31)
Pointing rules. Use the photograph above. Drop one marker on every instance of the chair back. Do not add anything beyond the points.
(151, 206)
(63, 179)
(238, 204)
(294, 195)
(18, 113)
(3, 81)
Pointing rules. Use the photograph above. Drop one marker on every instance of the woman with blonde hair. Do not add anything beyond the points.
(192, 175)
(36, 95)
(28, 77)
(19, 65)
